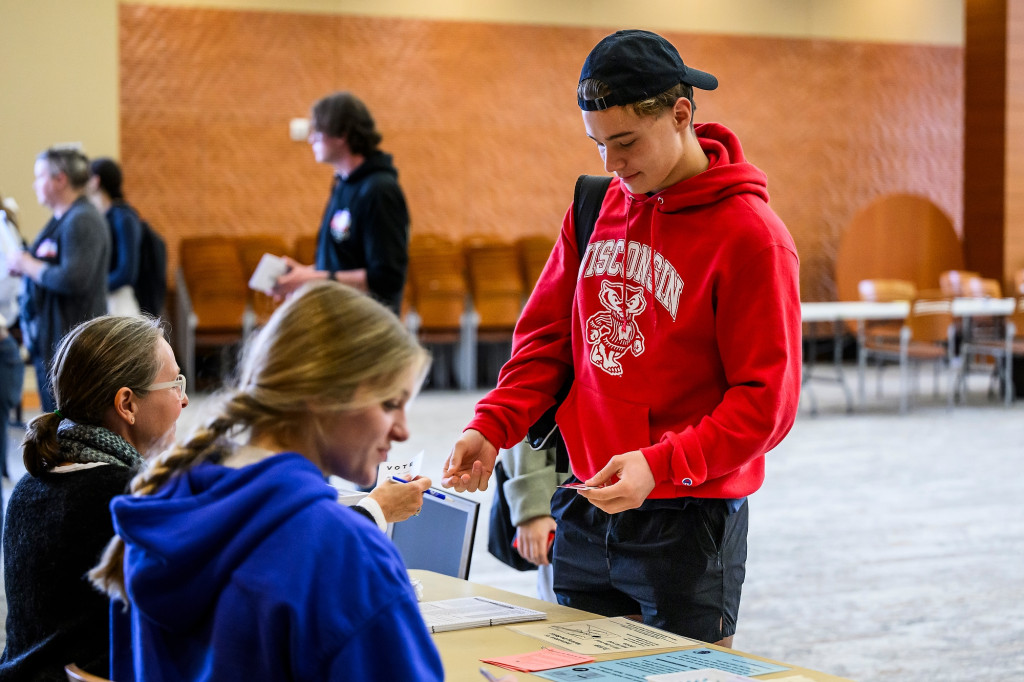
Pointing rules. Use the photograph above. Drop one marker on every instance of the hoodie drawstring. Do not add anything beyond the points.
(654, 282)
(650, 270)
(625, 239)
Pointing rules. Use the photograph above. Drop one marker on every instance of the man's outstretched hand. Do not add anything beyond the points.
(469, 466)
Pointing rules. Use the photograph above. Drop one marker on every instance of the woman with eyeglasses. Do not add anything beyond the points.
(232, 550)
(119, 393)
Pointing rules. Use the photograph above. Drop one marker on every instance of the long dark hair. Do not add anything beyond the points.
(110, 177)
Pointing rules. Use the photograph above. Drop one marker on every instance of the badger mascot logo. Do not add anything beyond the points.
(613, 331)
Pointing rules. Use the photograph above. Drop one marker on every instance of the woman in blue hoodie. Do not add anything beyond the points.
(233, 553)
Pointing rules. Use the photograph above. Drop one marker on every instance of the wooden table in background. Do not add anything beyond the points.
(838, 313)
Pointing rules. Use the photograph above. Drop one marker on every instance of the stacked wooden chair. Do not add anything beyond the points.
(438, 308)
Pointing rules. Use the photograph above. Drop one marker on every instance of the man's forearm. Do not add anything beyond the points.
(31, 267)
(353, 278)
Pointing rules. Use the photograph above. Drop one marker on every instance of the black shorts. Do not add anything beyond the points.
(679, 563)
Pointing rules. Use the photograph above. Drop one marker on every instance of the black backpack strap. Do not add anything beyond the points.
(586, 206)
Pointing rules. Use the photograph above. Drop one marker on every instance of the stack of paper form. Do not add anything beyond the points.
(473, 612)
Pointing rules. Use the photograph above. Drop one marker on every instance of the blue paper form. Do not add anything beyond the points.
(637, 668)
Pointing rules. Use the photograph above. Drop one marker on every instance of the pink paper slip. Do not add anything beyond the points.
(545, 659)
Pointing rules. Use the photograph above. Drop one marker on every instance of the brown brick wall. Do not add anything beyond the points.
(484, 127)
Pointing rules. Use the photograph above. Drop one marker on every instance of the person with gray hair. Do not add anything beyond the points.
(119, 393)
(66, 268)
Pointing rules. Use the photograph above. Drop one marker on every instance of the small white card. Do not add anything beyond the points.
(267, 271)
(408, 470)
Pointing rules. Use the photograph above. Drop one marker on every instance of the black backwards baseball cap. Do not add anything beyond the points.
(637, 65)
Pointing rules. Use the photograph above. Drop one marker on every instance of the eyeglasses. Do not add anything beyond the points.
(178, 384)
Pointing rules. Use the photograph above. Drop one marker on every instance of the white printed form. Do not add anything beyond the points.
(473, 612)
(604, 635)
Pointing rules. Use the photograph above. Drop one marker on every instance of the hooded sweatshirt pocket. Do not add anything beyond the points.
(597, 427)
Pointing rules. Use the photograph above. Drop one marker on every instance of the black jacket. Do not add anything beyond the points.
(366, 225)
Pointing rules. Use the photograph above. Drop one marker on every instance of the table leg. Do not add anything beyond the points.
(810, 360)
(837, 360)
(862, 361)
(808, 372)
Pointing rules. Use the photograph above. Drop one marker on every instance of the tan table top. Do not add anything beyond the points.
(461, 650)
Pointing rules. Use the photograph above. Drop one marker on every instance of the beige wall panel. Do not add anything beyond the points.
(482, 120)
(933, 22)
(58, 79)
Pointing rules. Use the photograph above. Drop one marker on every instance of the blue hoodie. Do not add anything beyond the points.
(259, 574)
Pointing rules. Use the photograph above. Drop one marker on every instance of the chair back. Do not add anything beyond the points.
(982, 287)
(216, 282)
(211, 300)
(495, 281)
(534, 252)
(437, 284)
(76, 674)
(251, 249)
(881, 290)
(954, 282)
(305, 249)
(930, 319)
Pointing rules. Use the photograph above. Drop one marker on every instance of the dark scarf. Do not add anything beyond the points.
(82, 444)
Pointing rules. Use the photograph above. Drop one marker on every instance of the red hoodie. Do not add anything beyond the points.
(682, 323)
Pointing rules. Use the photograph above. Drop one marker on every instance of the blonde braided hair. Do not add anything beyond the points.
(207, 442)
(324, 343)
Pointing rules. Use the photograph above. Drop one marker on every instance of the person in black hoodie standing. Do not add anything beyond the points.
(364, 233)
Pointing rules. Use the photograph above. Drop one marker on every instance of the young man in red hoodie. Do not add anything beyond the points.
(681, 322)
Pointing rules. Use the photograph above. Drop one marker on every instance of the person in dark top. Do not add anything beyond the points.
(364, 233)
(105, 192)
(66, 268)
(119, 393)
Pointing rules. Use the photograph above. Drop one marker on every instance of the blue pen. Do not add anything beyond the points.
(428, 491)
(488, 675)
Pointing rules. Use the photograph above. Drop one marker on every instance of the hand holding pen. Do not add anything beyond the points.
(399, 502)
(428, 491)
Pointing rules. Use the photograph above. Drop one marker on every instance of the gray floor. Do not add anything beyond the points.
(882, 547)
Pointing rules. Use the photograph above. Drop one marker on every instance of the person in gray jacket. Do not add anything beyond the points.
(532, 480)
(66, 268)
